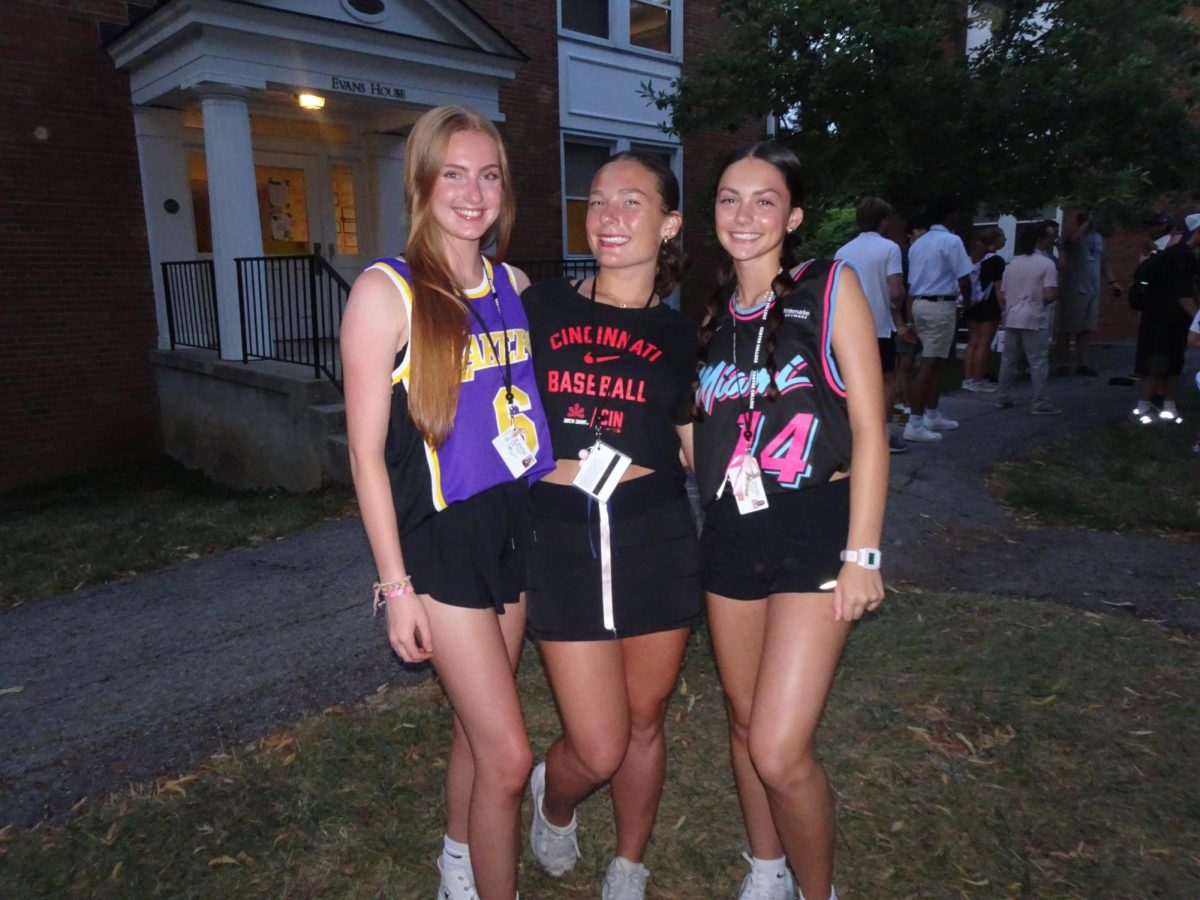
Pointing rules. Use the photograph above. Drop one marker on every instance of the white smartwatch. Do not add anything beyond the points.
(867, 557)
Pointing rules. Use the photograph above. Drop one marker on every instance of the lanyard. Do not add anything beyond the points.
(747, 421)
(595, 329)
(487, 336)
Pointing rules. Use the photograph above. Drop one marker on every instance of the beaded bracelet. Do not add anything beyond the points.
(386, 589)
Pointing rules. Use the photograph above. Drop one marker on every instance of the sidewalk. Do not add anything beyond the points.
(150, 675)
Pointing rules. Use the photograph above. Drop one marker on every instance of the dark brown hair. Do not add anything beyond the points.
(788, 165)
(672, 261)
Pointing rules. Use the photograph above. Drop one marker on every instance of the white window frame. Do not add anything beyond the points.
(618, 29)
(615, 144)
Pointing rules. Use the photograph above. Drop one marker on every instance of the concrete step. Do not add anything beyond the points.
(332, 416)
(336, 459)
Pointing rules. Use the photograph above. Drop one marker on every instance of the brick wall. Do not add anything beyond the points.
(531, 135)
(77, 308)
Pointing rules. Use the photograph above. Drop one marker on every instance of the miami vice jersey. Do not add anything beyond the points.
(424, 480)
(803, 437)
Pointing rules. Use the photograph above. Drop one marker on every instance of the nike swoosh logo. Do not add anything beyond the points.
(590, 359)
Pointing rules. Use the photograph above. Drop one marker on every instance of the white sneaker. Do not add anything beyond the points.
(458, 881)
(915, 430)
(624, 880)
(762, 885)
(984, 386)
(970, 384)
(941, 423)
(554, 848)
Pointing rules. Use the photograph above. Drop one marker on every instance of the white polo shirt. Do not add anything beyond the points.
(875, 258)
(936, 261)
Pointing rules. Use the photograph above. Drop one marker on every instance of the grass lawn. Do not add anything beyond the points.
(92, 528)
(979, 748)
(1121, 477)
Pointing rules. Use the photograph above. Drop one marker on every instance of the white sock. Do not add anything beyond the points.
(626, 865)
(770, 866)
(1143, 406)
(832, 894)
(1169, 406)
(454, 851)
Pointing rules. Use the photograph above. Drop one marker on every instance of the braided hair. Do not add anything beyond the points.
(788, 165)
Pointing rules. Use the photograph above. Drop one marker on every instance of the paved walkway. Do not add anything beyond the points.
(149, 675)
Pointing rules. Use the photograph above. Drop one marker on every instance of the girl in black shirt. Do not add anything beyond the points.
(790, 399)
(613, 583)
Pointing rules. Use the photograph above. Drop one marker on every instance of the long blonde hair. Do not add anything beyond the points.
(438, 331)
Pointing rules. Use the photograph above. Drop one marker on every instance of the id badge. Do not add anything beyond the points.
(601, 472)
(513, 449)
(746, 481)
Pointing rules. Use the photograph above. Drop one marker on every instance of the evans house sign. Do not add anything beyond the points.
(366, 88)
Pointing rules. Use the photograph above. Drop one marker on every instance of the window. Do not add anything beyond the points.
(650, 24)
(646, 24)
(586, 17)
(580, 162)
(345, 218)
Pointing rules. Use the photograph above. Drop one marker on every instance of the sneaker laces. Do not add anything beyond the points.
(625, 883)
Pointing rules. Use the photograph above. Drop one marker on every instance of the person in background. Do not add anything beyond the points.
(446, 431)
(1167, 318)
(880, 269)
(1086, 260)
(908, 345)
(1028, 286)
(939, 274)
(983, 315)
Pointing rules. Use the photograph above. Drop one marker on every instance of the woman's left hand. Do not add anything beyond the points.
(858, 590)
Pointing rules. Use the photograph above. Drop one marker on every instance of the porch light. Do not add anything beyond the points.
(311, 101)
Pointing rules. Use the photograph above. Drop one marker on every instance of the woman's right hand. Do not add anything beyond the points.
(408, 627)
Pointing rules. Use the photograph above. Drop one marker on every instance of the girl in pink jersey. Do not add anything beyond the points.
(790, 405)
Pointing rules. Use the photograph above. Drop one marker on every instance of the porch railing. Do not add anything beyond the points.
(291, 311)
(545, 269)
(191, 297)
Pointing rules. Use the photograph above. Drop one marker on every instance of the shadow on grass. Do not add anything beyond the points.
(1119, 477)
(978, 747)
(93, 528)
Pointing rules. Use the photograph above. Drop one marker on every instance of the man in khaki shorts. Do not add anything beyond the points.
(939, 272)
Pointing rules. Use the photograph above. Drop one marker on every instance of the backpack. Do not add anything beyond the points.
(1146, 277)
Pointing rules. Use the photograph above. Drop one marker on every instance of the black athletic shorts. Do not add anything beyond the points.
(987, 311)
(473, 552)
(792, 547)
(887, 353)
(654, 581)
(1162, 341)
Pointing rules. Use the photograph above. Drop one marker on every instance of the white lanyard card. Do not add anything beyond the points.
(600, 473)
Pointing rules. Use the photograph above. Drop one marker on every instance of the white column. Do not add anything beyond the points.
(233, 206)
(389, 219)
(162, 160)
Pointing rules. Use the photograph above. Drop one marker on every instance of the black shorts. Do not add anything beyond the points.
(792, 547)
(473, 552)
(987, 311)
(887, 353)
(655, 574)
(1162, 341)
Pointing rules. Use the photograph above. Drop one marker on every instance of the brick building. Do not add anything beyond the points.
(175, 225)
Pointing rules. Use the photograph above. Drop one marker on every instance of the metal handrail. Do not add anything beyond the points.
(291, 311)
(189, 291)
